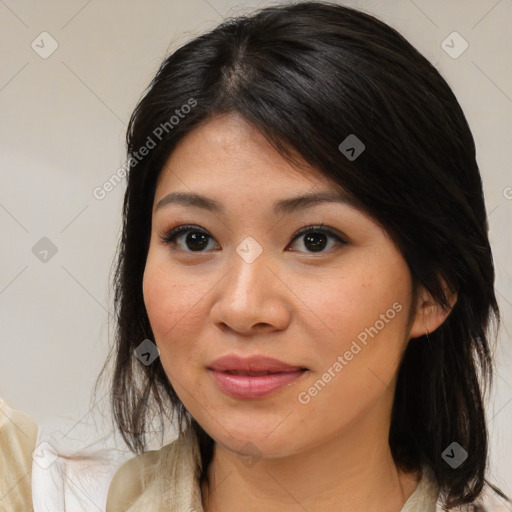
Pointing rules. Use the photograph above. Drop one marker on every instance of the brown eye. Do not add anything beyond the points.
(315, 238)
(195, 240)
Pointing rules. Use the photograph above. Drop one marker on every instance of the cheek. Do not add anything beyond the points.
(157, 297)
(167, 297)
(346, 306)
(363, 318)
(174, 312)
(165, 305)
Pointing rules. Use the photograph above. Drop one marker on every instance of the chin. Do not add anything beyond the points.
(253, 442)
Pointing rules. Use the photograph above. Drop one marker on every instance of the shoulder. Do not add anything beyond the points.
(139, 481)
(133, 478)
(18, 437)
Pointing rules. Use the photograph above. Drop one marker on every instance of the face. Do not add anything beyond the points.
(332, 303)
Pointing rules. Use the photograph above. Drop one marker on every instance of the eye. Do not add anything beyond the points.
(314, 238)
(197, 238)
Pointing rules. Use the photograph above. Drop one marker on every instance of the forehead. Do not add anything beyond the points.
(228, 151)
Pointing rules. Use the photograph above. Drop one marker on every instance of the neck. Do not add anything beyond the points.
(352, 471)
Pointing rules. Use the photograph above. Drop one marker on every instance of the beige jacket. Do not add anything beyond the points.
(18, 436)
(167, 480)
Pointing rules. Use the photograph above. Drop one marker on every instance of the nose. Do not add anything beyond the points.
(252, 298)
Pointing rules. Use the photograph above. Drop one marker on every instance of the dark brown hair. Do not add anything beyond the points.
(308, 75)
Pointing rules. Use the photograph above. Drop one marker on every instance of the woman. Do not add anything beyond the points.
(304, 276)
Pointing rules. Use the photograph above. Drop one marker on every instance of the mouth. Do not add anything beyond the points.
(260, 374)
(255, 365)
(255, 377)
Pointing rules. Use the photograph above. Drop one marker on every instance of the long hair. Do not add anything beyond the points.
(308, 76)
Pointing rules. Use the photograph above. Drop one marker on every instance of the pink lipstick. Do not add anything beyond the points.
(252, 377)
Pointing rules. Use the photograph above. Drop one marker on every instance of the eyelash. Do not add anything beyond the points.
(171, 235)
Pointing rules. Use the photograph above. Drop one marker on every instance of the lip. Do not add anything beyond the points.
(247, 383)
(254, 363)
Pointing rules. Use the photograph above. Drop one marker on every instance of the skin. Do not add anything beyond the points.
(302, 307)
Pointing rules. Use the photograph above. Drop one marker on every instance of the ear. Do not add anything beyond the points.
(430, 315)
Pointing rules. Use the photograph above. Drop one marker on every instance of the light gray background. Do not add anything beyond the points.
(62, 128)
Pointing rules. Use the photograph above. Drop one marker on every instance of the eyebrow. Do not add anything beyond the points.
(280, 207)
